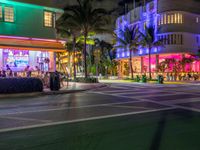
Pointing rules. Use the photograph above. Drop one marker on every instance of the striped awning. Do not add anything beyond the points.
(31, 44)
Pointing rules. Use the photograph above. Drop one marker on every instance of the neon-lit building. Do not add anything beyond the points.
(28, 36)
(176, 22)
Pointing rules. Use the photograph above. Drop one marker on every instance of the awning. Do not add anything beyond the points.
(31, 44)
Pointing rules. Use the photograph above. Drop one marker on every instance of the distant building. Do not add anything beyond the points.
(176, 22)
(28, 36)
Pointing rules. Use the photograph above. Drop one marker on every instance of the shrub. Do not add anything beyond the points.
(87, 80)
(20, 85)
(137, 79)
(153, 80)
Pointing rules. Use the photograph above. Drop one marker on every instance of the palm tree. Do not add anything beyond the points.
(108, 59)
(149, 41)
(186, 60)
(86, 19)
(102, 51)
(58, 62)
(128, 39)
(71, 33)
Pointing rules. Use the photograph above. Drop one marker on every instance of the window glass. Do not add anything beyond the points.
(168, 39)
(168, 19)
(175, 39)
(172, 39)
(48, 19)
(161, 19)
(181, 18)
(1, 13)
(15, 58)
(197, 19)
(172, 18)
(175, 17)
(8, 14)
(165, 19)
(181, 36)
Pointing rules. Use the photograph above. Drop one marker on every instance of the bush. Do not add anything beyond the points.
(20, 85)
(153, 80)
(137, 79)
(87, 80)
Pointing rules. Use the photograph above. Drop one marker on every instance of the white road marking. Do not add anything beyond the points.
(163, 103)
(58, 109)
(131, 107)
(25, 119)
(80, 120)
(182, 101)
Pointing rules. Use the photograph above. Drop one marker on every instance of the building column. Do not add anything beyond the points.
(54, 61)
(142, 64)
(183, 55)
(119, 69)
(122, 68)
(157, 62)
(1, 58)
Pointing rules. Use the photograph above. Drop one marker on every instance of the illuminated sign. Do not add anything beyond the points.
(15, 58)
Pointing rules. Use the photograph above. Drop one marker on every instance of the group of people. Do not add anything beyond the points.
(45, 77)
(8, 72)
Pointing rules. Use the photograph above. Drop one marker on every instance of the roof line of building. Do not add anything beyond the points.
(13, 2)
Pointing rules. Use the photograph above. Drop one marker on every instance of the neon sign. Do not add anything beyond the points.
(15, 58)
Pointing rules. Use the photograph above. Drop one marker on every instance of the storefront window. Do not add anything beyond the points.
(43, 60)
(15, 58)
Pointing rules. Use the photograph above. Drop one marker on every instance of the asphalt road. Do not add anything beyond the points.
(115, 101)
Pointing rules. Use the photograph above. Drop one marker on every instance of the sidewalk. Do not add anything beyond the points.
(72, 87)
(75, 87)
(152, 82)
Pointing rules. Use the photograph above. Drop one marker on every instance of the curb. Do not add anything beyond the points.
(73, 91)
(24, 95)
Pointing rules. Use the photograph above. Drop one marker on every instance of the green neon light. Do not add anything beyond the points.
(11, 2)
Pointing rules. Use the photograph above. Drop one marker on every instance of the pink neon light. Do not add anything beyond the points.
(194, 67)
(27, 38)
(14, 37)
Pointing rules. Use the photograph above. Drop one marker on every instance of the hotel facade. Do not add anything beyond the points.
(176, 23)
(28, 36)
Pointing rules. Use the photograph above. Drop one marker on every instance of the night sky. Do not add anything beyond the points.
(61, 3)
(112, 5)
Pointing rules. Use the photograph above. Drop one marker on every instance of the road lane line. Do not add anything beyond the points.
(25, 119)
(81, 120)
(57, 109)
(135, 107)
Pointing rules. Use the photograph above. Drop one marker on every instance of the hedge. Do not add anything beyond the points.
(20, 85)
(87, 80)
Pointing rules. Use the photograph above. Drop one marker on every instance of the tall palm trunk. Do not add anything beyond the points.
(68, 65)
(130, 62)
(97, 64)
(85, 53)
(74, 56)
(150, 62)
